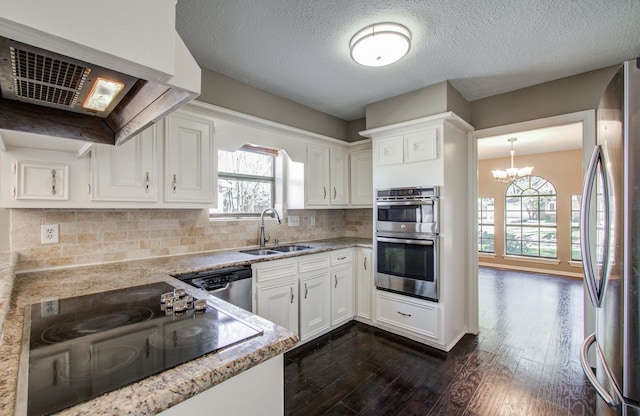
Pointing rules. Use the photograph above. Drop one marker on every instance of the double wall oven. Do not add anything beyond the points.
(407, 241)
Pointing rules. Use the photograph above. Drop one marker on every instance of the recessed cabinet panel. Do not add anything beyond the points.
(188, 159)
(341, 295)
(421, 146)
(389, 151)
(128, 172)
(279, 304)
(339, 169)
(317, 175)
(362, 178)
(364, 283)
(40, 180)
(315, 296)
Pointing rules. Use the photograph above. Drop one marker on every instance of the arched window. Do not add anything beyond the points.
(530, 218)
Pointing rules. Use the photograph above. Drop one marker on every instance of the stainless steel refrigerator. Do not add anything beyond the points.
(610, 242)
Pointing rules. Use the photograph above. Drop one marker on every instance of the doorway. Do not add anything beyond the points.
(584, 121)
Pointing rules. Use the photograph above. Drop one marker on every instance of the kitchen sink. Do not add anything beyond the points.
(287, 249)
(260, 252)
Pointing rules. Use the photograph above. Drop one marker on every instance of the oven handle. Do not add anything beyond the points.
(404, 203)
(405, 241)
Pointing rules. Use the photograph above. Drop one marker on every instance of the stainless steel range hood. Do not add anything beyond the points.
(52, 53)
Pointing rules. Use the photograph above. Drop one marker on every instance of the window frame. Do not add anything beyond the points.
(248, 178)
(529, 192)
(482, 223)
(575, 228)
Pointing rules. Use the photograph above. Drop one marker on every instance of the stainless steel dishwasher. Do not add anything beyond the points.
(232, 284)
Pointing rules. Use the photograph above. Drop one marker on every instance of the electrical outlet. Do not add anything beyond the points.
(312, 221)
(49, 234)
(294, 220)
(49, 307)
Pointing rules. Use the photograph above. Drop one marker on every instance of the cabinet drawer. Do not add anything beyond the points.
(274, 270)
(408, 314)
(313, 262)
(341, 257)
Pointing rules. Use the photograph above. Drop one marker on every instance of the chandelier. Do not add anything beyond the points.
(511, 174)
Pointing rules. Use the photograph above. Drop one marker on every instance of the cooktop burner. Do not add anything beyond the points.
(100, 342)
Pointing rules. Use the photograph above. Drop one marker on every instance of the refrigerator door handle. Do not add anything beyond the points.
(597, 162)
(600, 389)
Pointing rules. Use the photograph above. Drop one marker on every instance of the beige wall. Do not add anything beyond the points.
(354, 127)
(226, 92)
(564, 171)
(567, 95)
(434, 99)
(98, 236)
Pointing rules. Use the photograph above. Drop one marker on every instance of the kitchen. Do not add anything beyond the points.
(176, 231)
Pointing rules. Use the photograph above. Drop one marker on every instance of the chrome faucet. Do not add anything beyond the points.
(263, 239)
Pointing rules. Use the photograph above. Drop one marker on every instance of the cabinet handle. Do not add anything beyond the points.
(291, 288)
(306, 290)
(147, 183)
(175, 183)
(335, 276)
(53, 181)
(335, 193)
(13, 192)
(341, 258)
(325, 192)
(404, 314)
(365, 263)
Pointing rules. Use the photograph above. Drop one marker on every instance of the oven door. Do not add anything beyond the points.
(408, 266)
(411, 216)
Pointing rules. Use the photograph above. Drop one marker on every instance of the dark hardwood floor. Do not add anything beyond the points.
(525, 361)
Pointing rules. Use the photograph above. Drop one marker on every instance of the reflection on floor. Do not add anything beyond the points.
(525, 361)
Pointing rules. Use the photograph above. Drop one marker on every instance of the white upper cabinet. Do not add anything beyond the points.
(339, 172)
(189, 164)
(416, 146)
(361, 178)
(327, 176)
(129, 172)
(317, 175)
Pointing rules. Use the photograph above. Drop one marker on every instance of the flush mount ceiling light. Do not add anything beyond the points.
(511, 174)
(380, 44)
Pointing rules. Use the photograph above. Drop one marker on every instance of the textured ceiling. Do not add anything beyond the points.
(298, 49)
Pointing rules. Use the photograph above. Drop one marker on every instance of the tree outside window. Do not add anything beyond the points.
(486, 225)
(246, 182)
(530, 218)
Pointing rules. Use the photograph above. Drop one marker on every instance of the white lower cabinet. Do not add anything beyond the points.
(315, 301)
(276, 292)
(410, 315)
(279, 304)
(364, 283)
(341, 287)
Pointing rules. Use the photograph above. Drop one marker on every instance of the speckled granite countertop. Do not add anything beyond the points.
(7, 275)
(156, 393)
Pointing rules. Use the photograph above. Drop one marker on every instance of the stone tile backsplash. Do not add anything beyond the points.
(92, 236)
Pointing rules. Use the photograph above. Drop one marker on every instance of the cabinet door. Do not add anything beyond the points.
(279, 304)
(339, 173)
(364, 283)
(315, 302)
(128, 172)
(189, 161)
(40, 180)
(421, 145)
(341, 295)
(317, 175)
(362, 178)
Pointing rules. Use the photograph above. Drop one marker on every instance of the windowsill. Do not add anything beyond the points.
(532, 260)
(487, 255)
(575, 263)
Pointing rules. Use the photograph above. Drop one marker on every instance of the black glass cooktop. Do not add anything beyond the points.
(88, 345)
